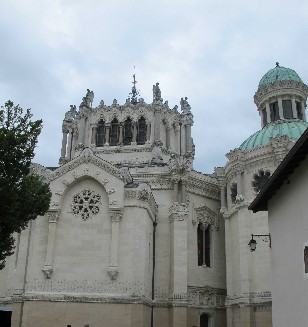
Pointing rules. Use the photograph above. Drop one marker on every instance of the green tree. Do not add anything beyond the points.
(22, 196)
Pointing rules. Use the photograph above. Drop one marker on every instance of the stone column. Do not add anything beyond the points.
(157, 123)
(178, 216)
(223, 203)
(64, 142)
(134, 139)
(148, 132)
(239, 172)
(303, 107)
(53, 217)
(188, 142)
(69, 146)
(121, 134)
(107, 134)
(280, 108)
(268, 112)
(183, 192)
(168, 128)
(294, 108)
(93, 137)
(116, 216)
(74, 143)
(81, 129)
(176, 189)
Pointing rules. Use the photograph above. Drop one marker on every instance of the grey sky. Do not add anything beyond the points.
(213, 52)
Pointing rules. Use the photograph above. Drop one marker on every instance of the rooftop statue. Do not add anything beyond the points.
(88, 99)
(157, 94)
(185, 106)
(71, 114)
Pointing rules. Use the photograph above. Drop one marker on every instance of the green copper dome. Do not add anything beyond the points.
(292, 129)
(277, 74)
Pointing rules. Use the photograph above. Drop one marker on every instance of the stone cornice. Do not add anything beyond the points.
(280, 88)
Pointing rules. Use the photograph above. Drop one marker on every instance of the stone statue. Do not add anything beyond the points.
(88, 99)
(71, 114)
(157, 93)
(185, 106)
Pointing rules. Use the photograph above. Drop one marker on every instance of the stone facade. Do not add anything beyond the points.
(134, 236)
(118, 246)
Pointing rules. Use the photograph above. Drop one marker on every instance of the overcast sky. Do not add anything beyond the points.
(213, 52)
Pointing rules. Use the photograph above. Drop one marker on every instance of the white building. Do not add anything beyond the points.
(285, 198)
(135, 236)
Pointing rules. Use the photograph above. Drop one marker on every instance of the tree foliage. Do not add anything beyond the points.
(23, 196)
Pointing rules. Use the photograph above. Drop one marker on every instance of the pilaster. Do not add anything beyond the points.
(116, 216)
(53, 217)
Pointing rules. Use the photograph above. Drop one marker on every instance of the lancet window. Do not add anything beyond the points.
(100, 135)
(204, 245)
(114, 133)
(142, 131)
(128, 131)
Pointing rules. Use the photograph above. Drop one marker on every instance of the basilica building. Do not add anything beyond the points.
(134, 236)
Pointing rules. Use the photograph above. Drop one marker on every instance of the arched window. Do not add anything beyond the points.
(260, 179)
(128, 131)
(114, 133)
(274, 110)
(233, 192)
(299, 110)
(287, 109)
(264, 116)
(142, 131)
(100, 134)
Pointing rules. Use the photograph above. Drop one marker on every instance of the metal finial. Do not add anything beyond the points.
(277, 64)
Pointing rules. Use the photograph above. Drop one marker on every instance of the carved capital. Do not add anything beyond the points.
(47, 269)
(113, 272)
(116, 215)
(178, 211)
(53, 216)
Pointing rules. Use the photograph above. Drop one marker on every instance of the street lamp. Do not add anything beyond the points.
(264, 237)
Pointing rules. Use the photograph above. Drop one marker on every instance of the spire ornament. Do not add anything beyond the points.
(134, 93)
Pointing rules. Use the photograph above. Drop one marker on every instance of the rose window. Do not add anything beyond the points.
(85, 204)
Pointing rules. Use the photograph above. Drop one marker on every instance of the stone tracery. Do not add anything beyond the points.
(85, 204)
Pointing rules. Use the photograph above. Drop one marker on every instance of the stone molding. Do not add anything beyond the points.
(178, 212)
(64, 286)
(134, 194)
(249, 298)
(86, 156)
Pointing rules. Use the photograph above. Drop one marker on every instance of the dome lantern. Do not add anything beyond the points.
(281, 96)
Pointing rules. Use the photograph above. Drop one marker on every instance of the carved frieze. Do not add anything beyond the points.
(206, 297)
(206, 217)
